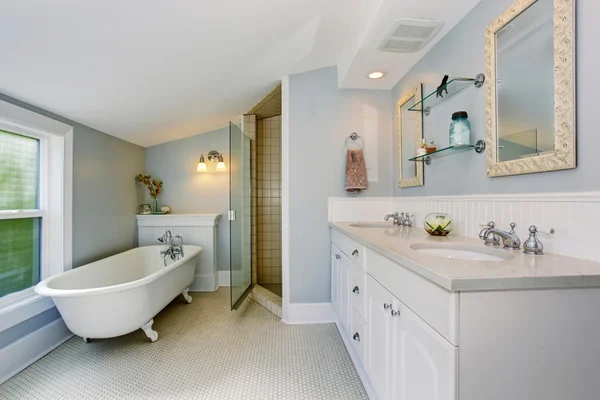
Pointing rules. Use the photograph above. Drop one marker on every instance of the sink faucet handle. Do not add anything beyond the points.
(407, 221)
(533, 245)
(512, 227)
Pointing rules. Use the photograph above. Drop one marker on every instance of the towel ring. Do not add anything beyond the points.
(354, 137)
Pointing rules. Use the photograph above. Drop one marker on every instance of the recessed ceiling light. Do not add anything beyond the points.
(376, 75)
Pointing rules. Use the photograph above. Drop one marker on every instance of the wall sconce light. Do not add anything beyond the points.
(213, 156)
(201, 165)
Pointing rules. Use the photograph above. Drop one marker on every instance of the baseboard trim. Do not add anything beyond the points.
(309, 313)
(224, 278)
(204, 283)
(27, 350)
(357, 365)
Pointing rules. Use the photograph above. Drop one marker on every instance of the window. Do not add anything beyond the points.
(35, 209)
(19, 193)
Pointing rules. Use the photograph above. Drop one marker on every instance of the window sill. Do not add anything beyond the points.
(21, 306)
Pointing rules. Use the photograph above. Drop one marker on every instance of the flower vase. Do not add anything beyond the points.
(155, 204)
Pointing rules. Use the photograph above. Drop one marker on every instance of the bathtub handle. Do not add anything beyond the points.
(178, 241)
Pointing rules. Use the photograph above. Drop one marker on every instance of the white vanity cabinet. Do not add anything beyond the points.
(422, 328)
(403, 357)
(345, 287)
(406, 358)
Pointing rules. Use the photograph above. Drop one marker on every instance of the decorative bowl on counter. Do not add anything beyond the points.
(438, 224)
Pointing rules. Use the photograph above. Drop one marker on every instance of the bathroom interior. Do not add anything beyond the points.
(359, 199)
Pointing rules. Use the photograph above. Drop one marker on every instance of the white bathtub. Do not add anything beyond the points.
(122, 293)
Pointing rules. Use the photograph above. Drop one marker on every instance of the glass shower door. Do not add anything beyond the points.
(240, 216)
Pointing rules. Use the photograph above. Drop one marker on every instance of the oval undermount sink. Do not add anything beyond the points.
(372, 225)
(461, 252)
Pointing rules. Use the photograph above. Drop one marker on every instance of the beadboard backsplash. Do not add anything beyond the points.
(574, 216)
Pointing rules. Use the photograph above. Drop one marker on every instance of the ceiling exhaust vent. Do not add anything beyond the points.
(409, 35)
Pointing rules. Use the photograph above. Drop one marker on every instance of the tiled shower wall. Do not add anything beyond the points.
(268, 200)
(249, 128)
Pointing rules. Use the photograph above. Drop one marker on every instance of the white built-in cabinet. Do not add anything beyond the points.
(403, 356)
(409, 341)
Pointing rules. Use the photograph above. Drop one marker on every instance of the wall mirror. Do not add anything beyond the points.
(531, 94)
(410, 136)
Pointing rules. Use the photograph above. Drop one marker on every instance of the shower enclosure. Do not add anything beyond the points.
(255, 205)
(240, 218)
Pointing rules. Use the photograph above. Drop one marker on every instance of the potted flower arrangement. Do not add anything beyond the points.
(154, 188)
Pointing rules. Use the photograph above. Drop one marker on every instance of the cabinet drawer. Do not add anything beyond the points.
(358, 289)
(432, 303)
(358, 338)
(354, 251)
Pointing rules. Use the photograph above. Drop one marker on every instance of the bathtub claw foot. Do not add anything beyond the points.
(186, 296)
(151, 333)
(86, 340)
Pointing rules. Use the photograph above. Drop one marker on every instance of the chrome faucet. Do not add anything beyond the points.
(510, 239)
(402, 219)
(167, 238)
(490, 238)
(174, 246)
(396, 219)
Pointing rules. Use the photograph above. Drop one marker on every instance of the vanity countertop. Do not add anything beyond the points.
(521, 272)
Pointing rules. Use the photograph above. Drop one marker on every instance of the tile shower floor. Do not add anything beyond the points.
(273, 288)
(204, 351)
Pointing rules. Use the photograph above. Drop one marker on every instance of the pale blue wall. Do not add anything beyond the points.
(462, 53)
(104, 201)
(321, 117)
(189, 192)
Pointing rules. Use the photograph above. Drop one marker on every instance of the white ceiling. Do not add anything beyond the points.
(151, 71)
(361, 56)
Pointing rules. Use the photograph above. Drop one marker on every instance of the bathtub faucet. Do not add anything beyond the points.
(167, 238)
(174, 246)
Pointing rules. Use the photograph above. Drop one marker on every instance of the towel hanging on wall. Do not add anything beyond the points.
(356, 171)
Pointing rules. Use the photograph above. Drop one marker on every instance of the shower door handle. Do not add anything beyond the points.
(231, 215)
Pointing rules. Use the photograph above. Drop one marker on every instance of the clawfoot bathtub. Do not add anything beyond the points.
(122, 293)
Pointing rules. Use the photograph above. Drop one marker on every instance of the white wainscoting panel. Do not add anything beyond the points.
(195, 229)
(572, 215)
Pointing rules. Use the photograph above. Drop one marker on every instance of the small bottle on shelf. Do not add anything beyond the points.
(421, 151)
(431, 148)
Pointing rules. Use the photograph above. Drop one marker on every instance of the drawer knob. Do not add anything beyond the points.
(395, 313)
(337, 256)
(387, 306)
(356, 290)
(355, 253)
(356, 337)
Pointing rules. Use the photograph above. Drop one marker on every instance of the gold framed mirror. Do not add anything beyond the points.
(530, 63)
(410, 136)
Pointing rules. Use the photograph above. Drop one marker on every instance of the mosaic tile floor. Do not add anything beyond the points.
(204, 351)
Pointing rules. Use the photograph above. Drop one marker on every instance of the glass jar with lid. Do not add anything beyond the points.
(460, 129)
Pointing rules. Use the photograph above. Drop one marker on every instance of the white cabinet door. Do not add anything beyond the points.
(424, 364)
(336, 256)
(379, 329)
(345, 292)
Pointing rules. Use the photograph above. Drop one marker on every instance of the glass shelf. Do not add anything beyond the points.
(479, 147)
(451, 88)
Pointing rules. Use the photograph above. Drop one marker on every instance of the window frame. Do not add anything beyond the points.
(55, 207)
